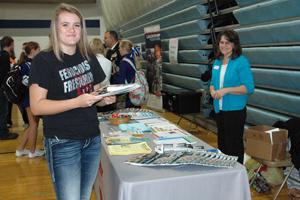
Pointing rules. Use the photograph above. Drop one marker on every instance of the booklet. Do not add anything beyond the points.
(110, 90)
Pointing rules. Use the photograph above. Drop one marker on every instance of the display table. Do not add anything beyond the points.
(119, 181)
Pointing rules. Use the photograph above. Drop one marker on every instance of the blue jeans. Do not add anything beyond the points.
(3, 115)
(73, 166)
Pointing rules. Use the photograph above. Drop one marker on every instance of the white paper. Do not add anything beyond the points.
(118, 89)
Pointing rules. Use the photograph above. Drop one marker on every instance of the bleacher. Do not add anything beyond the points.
(269, 33)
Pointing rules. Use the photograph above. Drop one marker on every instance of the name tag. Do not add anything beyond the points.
(216, 67)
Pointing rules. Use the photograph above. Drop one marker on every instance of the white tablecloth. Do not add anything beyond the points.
(119, 181)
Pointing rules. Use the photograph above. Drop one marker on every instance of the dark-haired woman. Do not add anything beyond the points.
(231, 83)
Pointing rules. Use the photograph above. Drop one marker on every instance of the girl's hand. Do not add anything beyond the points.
(109, 99)
(87, 100)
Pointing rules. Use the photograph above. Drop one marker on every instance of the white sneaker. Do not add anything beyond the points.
(23, 152)
(37, 153)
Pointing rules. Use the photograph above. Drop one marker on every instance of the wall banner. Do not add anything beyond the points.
(154, 65)
(153, 58)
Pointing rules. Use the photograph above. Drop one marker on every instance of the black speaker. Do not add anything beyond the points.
(182, 102)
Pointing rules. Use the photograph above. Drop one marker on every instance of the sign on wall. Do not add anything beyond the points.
(173, 50)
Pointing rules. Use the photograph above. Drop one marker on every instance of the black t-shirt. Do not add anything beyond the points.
(65, 80)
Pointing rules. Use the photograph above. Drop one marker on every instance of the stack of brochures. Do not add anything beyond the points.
(203, 158)
(110, 90)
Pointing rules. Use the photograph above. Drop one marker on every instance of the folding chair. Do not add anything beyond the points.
(281, 163)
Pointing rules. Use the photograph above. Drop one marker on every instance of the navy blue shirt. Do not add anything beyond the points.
(124, 74)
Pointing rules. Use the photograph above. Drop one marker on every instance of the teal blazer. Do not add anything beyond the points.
(238, 73)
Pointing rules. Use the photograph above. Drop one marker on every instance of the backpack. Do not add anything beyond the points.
(12, 86)
(140, 95)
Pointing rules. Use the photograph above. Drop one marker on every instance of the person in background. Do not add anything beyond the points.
(20, 61)
(62, 85)
(7, 46)
(111, 42)
(125, 73)
(23, 55)
(30, 135)
(12, 60)
(231, 83)
(99, 50)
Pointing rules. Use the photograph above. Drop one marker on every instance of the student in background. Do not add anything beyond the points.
(12, 60)
(99, 50)
(62, 84)
(30, 134)
(7, 46)
(21, 60)
(125, 73)
(231, 83)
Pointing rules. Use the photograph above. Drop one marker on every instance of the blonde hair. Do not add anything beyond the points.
(54, 42)
(127, 44)
(97, 46)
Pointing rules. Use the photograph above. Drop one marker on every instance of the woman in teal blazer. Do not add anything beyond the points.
(231, 83)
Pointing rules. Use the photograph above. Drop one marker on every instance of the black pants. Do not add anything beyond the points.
(230, 126)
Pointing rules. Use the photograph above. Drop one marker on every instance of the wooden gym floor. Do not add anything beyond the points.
(28, 179)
